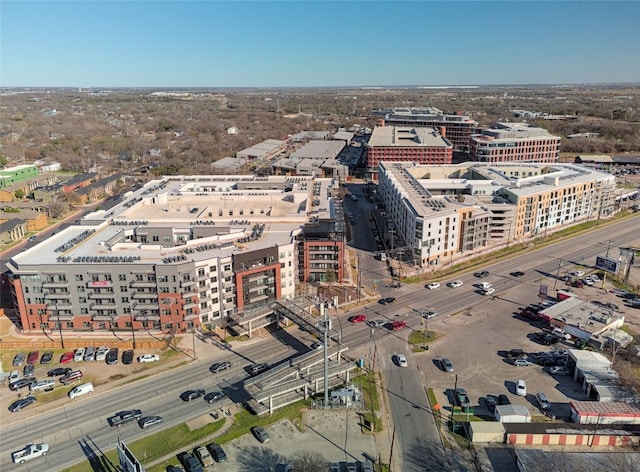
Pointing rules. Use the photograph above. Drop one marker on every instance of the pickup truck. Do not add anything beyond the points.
(124, 417)
(30, 451)
(462, 398)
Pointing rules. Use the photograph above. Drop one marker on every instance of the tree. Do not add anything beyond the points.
(308, 461)
(19, 194)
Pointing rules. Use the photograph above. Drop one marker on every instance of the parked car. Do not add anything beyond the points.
(191, 395)
(503, 399)
(576, 273)
(317, 346)
(205, 456)
(21, 404)
(14, 376)
(112, 356)
(217, 452)
(46, 357)
(521, 388)
(455, 284)
(213, 397)
(256, 369)
(46, 385)
(59, 371)
(18, 359)
(149, 421)
(78, 355)
(578, 283)
(357, 318)
(127, 357)
(432, 285)
(71, 377)
(521, 363)
(28, 371)
(90, 354)
(101, 353)
(561, 333)
(491, 402)
(220, 366)
(559, 370)
(66, 357)
(191, 463)
(447, 366)
(396, 325)
(543, 401)
(402, 360)
(260, 434)
(32, 358)
(147, 358)
(21, 383)
(482, 274)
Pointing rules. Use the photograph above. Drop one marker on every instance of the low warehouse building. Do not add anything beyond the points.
(512, 414)
(486, 432)
(605, 413)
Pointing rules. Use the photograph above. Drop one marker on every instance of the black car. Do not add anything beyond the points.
(112, 356)
(517, 273)
(28, 371)
(21, 404)
(18, 384)
(191, 463)
(213, 397)
(46, 357)
(59, 371)
(386, 301)
(503, 399)
(191, 394)
(19, 359)
(127, 356)
(491, 401)
(217, 452)
(482, 274)
(220, 366)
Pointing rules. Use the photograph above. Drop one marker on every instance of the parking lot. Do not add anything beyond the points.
(476, 342)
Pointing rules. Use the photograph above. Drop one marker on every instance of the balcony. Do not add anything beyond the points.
(100, 296)
(55, 285)
(103, 306)
(145, 296)
(142, 284)
(56, 307)
(187, 283)
(56, 295)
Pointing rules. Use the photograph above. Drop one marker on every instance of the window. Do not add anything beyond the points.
(122, 277)
(78, 277)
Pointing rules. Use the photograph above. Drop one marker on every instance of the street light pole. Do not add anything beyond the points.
(555, 284)
(59, 327)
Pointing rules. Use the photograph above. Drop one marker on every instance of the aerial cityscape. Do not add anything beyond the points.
(243, 235)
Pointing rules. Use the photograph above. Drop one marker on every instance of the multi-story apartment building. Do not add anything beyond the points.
(447, 212)
(457, 128)
(179, 252)
(514, 142)
(407, 144)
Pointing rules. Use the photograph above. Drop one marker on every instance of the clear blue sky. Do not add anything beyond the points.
(306, 43)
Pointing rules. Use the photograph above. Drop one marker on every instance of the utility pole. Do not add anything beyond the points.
(325, 321)
(133, 331)
(393, 438)
(59, 326)
(555, 283)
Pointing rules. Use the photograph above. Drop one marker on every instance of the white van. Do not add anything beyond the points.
(81, 390)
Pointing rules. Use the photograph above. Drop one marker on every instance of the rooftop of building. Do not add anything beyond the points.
(606, 408)
(217, 215)
(508, 132)
(407, 136)
(325, 149)
(585, 315)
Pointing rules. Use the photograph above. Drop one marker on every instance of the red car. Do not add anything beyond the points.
(32, 358)
(66, 357)
(396, 325)
(357, 318)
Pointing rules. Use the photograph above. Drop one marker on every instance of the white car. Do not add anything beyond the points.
(432, 285)
(402, 360)
(455, 284)
(489, 291)
(588, 282)
(594, 278)
(78, 356)
(149, 358)
(101, 353)
(521, 388)
(14, 376)
(577, 273)
(485, 286)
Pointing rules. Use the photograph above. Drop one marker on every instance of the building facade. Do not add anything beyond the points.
(177, 253)
(447, 212)
(511, 142)
(407, 144)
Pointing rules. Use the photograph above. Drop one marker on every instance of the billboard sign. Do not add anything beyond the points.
(544, 291)
(604, 263)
